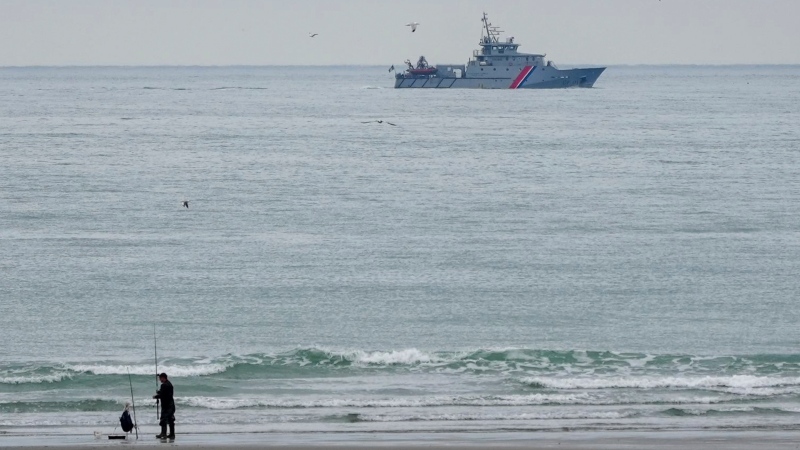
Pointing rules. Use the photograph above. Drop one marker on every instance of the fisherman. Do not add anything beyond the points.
(165, 394)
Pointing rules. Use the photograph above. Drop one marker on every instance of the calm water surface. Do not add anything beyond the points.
(617, 257)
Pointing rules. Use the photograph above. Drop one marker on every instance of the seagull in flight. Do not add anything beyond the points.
(413, 26)
(313, 34)
(380, 121)
(186, 204)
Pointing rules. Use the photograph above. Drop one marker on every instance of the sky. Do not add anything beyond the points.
(373, 32)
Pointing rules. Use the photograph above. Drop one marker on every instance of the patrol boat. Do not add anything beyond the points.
(496, 65)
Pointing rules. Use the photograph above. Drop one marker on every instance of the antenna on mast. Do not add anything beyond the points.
(492, 32)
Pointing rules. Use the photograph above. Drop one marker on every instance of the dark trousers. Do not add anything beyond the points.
(167, 415)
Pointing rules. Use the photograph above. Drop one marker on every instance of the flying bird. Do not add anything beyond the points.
(313, 34)
(380, 121)
(413, 26)
(186, 204)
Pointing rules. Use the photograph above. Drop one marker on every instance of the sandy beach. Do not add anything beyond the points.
(667, 440)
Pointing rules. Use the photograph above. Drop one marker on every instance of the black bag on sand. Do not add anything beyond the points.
(125, 421)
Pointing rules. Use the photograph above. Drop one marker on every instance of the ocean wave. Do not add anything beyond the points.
(19, 406)
(173, 370)
(513, 400)
(38, 374)
(34, 378)
(316, 356)
(520, 359)
(398, 402)
(507, 416)
(741, 382)
(558, 399)
(741, 410)
(434, 401)
(399, 357)
(536, 368)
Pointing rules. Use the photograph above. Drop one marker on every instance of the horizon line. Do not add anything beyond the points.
(87, 66)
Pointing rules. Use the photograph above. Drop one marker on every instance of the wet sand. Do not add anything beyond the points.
(700, 440)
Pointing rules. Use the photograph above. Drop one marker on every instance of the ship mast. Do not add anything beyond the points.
(492, 33)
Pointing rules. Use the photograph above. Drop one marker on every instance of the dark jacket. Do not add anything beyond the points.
(165, 394)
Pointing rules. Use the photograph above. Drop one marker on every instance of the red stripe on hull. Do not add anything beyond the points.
(524, 73)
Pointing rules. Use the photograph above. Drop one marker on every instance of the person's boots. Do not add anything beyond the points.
(163, 434)
(171, 431)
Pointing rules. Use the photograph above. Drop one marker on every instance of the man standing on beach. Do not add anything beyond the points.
(165, 394)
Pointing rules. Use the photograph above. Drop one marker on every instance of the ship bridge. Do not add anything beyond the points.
(489, 47)
(494, 55)
(500, 49)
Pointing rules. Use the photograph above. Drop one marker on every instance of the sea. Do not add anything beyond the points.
(625, 257)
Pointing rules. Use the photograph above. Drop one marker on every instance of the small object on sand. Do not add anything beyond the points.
(117, 436)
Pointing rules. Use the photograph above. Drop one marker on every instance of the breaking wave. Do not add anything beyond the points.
(742, 382)
(398, 402)
(536, 369)
(17, 407)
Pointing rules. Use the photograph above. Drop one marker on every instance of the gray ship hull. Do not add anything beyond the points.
(529, 78)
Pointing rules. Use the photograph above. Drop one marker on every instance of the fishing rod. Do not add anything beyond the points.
(133, 403)
(155, 350)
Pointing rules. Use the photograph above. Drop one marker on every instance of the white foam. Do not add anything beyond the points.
(761, 391)
(734, 381)
(34, 379)
(68, 371)
(193, 370)
(703, 412)
(399, 402)
(408, 356)
(640, 362)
